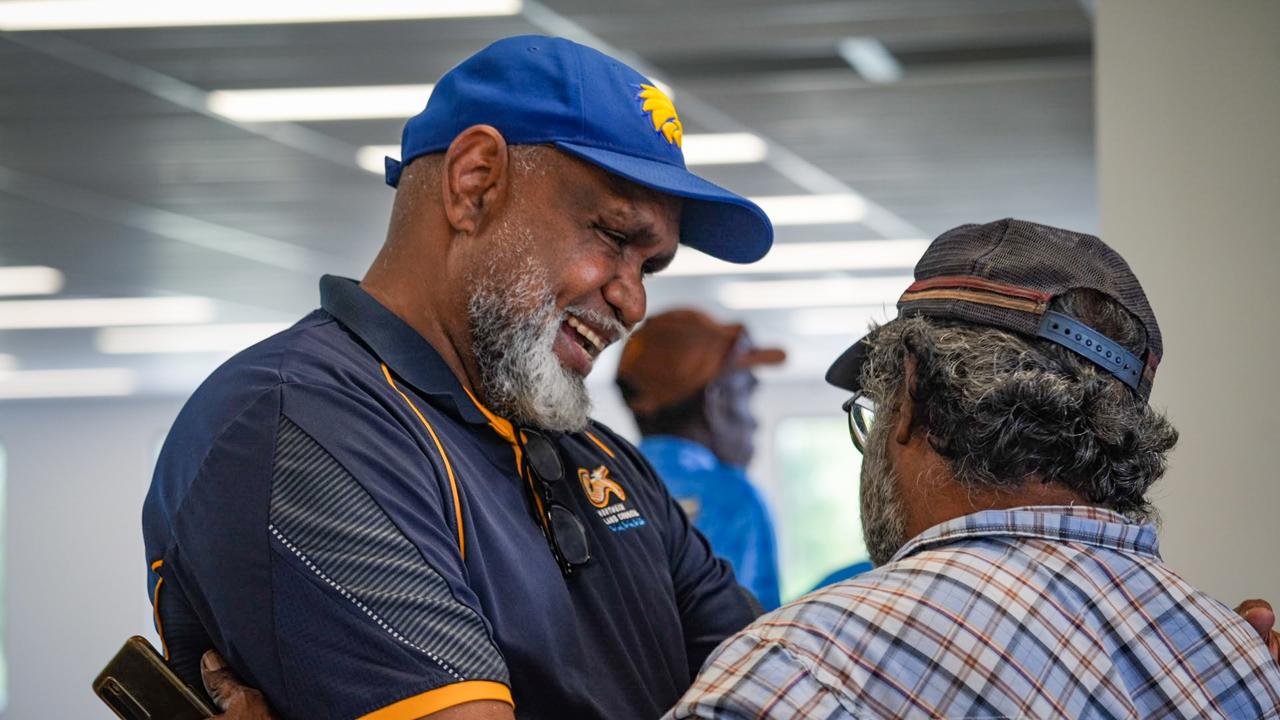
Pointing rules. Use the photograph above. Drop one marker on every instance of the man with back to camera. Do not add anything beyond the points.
(885, 646)
(398, 508)
(1008, 450)
(688, 382)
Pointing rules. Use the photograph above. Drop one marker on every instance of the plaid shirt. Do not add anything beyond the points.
(1041, 612)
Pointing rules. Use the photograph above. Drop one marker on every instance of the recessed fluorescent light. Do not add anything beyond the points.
(723, 148)
(699, 149)
(88, 14)
(99, 312)
(30, 280)
(806, 257)
(766, 294)
(871, 59)
(665, 88)
(358, 102)
(79, 382)
(184, 338)
(813, 209)
(372, 157)
(847, 321)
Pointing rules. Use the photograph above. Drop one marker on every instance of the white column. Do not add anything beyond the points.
(1189, 175)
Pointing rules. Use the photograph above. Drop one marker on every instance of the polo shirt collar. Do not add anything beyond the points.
(1065, 523)
(395, 343)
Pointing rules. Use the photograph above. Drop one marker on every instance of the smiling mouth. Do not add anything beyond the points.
(590, 341)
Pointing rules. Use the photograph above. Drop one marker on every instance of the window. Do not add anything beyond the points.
(818, 525)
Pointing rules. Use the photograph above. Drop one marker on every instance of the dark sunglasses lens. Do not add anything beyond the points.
(570, 536)
(543, 456)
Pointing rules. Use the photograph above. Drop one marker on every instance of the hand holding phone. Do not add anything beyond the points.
(138, 685)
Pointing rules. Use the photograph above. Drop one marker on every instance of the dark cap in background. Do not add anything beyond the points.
(677, 353)
(1005, 274)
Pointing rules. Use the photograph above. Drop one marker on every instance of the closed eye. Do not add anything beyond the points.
(618, 237)
(657, 264)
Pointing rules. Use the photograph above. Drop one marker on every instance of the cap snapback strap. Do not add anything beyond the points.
(1093, 345)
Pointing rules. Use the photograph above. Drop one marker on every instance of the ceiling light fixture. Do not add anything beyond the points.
(373, 157)
(723, 148)
(871, 59)
(30, 280)
(850, 322)
(829, 292)
(357, 102)
(76, 382)
(699, 149)
(217, 338)
(92, 14)
(104, 312)
(813, 209)
(843, 255)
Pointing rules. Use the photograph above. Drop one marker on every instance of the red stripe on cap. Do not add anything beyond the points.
(977, 283)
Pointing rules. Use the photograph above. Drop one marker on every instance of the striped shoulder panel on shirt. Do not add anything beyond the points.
(322, 515)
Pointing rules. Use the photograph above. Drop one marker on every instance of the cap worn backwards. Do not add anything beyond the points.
(544, 90)
(1006, 274)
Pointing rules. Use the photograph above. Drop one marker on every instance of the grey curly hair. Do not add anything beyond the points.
(1004, 409)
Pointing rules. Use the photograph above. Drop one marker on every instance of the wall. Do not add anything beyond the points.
(75, 584)
(1189, 175)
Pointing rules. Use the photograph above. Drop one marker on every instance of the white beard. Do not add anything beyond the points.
(514, 323)
(884, 519)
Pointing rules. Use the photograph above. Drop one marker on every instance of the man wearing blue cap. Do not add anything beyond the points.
(399, 508)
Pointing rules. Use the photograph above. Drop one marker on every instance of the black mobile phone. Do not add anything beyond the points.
(138, 685)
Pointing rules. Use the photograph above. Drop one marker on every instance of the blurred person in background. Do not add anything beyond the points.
(1008, 450)
(399, 507)
(688, 381)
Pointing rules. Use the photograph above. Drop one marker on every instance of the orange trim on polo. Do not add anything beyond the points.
(443, 698)
(601, 445)
(507, 431)
(448, 467)
(155, 607)
(500, 425)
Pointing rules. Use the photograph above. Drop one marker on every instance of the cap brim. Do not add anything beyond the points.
(714, 220)
(762, 356)
(846, 371)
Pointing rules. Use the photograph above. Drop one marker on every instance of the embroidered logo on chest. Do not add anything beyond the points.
(598, 486)
(601, 490)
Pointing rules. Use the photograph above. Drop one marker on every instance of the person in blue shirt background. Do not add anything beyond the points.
(688, 381)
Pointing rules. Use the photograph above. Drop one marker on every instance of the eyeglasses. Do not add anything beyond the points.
(862, 413)
(562, 528)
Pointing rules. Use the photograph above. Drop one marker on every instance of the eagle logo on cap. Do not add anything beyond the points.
(663, 114)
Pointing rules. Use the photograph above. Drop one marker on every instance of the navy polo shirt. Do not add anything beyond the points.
(335, 514)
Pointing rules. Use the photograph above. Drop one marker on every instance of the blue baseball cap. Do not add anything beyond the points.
(552, 91)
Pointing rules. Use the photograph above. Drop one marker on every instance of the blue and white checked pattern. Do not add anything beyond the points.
(321, 515)
(1045, 612)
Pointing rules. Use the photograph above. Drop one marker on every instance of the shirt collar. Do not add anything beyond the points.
(405, 352)
(1064, 523)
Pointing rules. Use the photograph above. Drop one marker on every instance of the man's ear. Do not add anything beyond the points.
(906, 410)
(476, 178)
